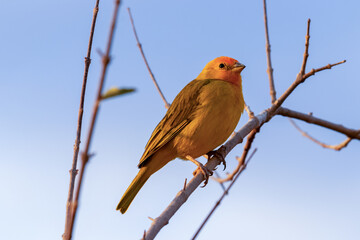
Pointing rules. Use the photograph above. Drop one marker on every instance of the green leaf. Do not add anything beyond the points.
(115, 91)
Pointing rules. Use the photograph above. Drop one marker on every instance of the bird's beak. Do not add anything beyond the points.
(238, 66)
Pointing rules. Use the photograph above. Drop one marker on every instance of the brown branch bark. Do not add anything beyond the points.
(352, 133)
(73, 171)
(306, 52)
(337, 147)
(243, 167)
(269, 70)
(85, 154)
(167, 105)
(329, 66)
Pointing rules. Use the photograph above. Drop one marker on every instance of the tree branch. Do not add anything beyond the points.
(167, 105)
(334, 147)
(352, 133)
(85, 154)
(73, 171)
(300, 79)
(329, 66)
(306, 52)
(269, 70)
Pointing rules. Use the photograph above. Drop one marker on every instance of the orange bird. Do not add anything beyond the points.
(202, 116)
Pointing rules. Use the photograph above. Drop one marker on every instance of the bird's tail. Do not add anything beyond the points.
(133, 189)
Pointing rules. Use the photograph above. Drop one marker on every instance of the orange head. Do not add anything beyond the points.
(223, 68)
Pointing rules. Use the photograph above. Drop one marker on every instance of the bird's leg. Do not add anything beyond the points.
(204, 170)
(218, 155)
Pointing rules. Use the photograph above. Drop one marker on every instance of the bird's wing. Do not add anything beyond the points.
(178, 116)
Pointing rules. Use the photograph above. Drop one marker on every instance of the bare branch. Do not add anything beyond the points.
(167, 105)
(248, 110)
(85, 154)
(243, 164)
(329, 66)
(334, 147)
(269, 70)
(306, 52)
(241, 160)
(300, 79)
(352, 133)
(74, 171)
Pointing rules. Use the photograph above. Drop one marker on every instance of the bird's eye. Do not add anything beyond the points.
(221, 65)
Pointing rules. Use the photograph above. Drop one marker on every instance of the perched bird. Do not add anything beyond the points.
(201, 117)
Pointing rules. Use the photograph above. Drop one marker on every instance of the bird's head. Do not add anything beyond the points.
(223, 68)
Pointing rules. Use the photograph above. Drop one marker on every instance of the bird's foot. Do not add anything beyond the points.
(204, 170)
(218, 155)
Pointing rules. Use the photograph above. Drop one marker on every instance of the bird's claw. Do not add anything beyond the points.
(206, 173)
(218, 155)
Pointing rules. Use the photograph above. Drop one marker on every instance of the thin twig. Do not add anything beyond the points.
(300, 79)
(73, 171)
(85, 154)
(248, 110)
(243, 164)
(337, 147)
(306, 51)
(269, 70)
(329, 66)
(167, 105)
(241, 160)
(352, 133)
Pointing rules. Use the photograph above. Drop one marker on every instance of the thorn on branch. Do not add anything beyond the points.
(185, 184)
(144, 235)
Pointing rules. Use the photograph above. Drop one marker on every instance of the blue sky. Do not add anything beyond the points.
(292, 189)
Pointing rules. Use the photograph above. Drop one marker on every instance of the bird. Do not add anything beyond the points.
(202, 116)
